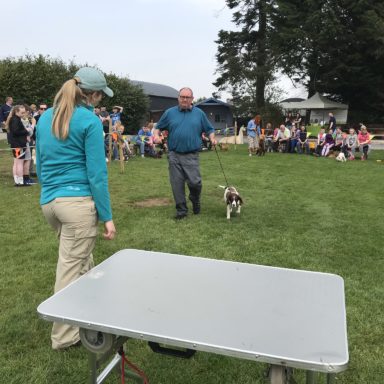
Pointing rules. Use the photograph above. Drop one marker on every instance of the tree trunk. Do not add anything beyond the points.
(261, 56)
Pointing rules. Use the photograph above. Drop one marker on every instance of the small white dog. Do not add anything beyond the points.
(341, 157)
(232, 199)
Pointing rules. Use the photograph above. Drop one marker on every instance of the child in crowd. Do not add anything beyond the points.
(351, 143)
(117, 130)
(329, 142)
(29, 123)
(145, 140)
(364, 140)
(18, 138)
(120, 140)
(294, 139)
(116, 114)
(338, 137)
(269, 138)
(302, 141)
(320, 142)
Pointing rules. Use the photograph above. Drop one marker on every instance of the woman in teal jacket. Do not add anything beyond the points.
(70, 164)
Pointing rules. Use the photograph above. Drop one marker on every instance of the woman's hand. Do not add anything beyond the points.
(109, 230)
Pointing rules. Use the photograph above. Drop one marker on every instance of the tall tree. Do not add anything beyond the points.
(245, 63)
(335, 47)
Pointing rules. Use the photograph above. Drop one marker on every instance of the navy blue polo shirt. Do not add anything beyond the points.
(185, 128)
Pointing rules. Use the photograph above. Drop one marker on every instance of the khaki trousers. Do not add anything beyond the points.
(75, 221)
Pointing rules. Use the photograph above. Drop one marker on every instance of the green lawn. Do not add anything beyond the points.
(300, 212)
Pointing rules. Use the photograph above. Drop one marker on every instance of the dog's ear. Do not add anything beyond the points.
(241, 200)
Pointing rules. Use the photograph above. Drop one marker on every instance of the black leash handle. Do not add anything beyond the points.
(222, 169)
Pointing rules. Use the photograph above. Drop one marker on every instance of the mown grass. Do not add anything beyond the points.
(300, 212)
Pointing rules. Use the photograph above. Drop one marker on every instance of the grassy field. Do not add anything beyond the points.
(300, 212)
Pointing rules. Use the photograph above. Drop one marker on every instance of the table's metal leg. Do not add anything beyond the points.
(311, 377)
(108, 369)
(277, 374)
(92, 364)
(96, 360)
(330, 378)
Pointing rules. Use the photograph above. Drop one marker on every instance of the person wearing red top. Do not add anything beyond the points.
(364, 140)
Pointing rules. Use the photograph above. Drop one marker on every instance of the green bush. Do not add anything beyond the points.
(37, 79)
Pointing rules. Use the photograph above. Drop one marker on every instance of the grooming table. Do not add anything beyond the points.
(287, 318)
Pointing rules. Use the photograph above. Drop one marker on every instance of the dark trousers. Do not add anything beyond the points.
(318, 149)
(184, 168)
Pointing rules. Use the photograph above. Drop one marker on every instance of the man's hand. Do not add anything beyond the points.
(212, 138)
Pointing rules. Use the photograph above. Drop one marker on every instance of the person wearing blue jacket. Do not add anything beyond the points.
(71, 167)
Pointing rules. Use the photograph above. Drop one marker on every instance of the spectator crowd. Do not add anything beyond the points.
(19, 121)
(293, 137)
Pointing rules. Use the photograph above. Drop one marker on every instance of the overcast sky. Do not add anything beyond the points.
(170, 42)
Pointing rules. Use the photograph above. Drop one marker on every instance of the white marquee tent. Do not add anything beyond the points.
(320, 106)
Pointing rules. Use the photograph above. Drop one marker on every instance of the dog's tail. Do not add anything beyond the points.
(222, 186)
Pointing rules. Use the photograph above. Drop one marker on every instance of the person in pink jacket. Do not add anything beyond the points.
(364, 140)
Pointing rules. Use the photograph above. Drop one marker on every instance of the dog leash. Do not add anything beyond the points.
(222, 169)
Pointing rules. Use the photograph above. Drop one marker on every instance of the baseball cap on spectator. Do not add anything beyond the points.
(93, 80)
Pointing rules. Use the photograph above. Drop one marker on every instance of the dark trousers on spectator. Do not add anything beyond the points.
(318, 150)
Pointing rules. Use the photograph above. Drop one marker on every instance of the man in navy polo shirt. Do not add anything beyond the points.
(185, 125)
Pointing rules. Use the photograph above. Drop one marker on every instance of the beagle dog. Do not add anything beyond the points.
(233, 200)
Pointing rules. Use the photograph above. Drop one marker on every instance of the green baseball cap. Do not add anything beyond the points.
(93, 80)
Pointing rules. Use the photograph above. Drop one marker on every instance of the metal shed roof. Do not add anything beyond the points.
(154, 89)
(212, 101)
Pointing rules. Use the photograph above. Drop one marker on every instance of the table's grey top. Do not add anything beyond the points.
(274, 315)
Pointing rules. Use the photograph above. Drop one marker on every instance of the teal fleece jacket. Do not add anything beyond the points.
(75, 166)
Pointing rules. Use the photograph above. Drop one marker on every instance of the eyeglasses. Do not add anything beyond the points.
(185, 97)
(43, 109)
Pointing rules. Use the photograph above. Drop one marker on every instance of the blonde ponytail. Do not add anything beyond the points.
(64, 104)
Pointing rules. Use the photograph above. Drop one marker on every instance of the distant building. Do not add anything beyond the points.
(218, 112)
(161, 97)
